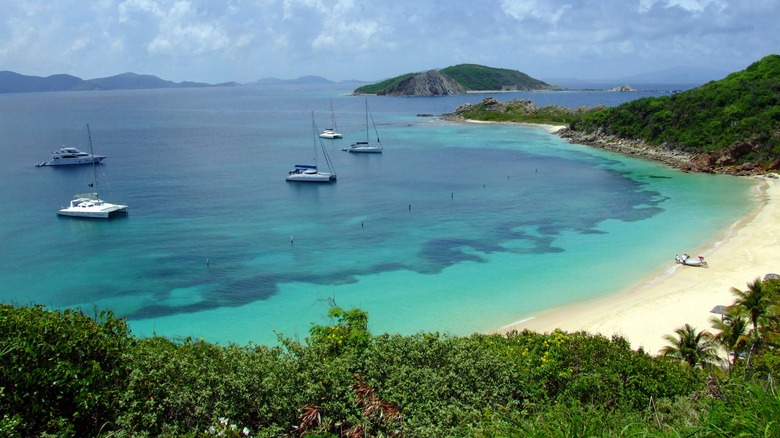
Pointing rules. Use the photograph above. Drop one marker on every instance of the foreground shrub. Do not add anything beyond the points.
(61, 372)
(743, 409)
(67, 374)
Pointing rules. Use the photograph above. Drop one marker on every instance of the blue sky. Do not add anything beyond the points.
(241, 40)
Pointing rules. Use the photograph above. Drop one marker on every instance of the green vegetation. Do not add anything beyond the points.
(476, 77)
(471, 77)
(64, 373)
(379, 87)
(520, 111)
(737, 117)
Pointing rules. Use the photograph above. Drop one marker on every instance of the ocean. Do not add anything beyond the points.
(455, 228)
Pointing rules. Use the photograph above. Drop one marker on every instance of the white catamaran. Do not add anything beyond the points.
(89, 205)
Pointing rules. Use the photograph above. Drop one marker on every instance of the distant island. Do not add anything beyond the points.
(12, 82)
(457, 79)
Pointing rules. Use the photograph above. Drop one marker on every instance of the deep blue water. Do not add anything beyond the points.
(456, 227)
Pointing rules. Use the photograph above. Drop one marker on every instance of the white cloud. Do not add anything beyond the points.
(545, 11)
(354, 36)
(244, 40)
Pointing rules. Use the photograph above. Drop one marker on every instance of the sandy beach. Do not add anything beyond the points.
(552, 129)
(677, 294)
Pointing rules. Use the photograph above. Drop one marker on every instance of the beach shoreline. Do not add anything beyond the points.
(673, 295)
(550, 128)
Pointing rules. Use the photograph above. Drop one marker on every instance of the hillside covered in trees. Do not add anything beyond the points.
(475, 77)
(733, 121)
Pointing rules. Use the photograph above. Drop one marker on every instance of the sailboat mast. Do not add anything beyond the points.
(374, 124)
(332, 116)
(94, 168)
(314, 130)
(366, 121)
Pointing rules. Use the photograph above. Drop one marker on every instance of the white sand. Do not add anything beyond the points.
(552, 129)
(677, 294)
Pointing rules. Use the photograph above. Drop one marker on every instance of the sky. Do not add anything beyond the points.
(217, 41)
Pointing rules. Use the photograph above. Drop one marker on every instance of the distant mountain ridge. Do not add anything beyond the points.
(11, 82)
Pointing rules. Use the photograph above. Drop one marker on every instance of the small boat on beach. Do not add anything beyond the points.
(688, 261)
(70, 156)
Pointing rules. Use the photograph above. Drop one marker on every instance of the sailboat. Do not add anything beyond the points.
(311, 173)
(365, 146)
(331, 132)
(89, 205)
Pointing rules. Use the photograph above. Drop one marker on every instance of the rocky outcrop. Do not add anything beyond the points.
(689, 162)
(703, 162)
(622, 89)
(517, 106)
(430, 83)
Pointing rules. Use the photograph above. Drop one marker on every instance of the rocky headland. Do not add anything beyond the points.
(722, 163)
(702, 162)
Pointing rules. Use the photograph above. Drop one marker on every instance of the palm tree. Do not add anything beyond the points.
(753, 301)
(691, 347)
(732, 335)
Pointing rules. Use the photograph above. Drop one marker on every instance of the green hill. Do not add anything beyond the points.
(475, 77)
(471, 77)
(735, 120)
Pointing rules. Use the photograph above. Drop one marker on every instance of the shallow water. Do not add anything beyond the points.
(455, 228)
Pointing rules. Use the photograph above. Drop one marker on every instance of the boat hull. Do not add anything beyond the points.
(106, 211)
(365, 150)
(690, 261)
(315, 178)
(74, 161)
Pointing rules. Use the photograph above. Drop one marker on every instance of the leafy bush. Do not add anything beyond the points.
(67, 374)
(61, 372)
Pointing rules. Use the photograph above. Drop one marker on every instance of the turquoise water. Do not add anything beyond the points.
(455, 228)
